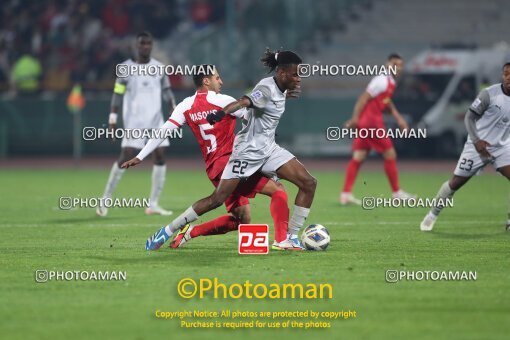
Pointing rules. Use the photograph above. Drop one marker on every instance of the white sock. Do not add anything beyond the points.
(444, 193)
(431, 215)
(158, 182)
(115, 176)
(298, 219)
(186, 217)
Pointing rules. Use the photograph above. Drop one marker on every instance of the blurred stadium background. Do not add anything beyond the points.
(46, 47)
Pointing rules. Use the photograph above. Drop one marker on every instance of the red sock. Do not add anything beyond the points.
(280, 213)
(220, 225)
(390, 166)
(350, 176)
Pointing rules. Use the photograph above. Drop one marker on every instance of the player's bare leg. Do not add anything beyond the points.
(218, 226)
(217, 198)
(294, 172)
(346, 196)
(115, 175)
(242, 214)
(158, 182)
(225, 188)
(505, 171)
(390, 167)
(508, 219)
(446, 191)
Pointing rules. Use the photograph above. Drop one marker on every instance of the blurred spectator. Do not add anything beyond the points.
(201, 13)
(465, 90)
(116, 17)
(26, 74)
(4, 62)
(82, 40)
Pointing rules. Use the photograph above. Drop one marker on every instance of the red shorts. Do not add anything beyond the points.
(247, 188)
(378, 144)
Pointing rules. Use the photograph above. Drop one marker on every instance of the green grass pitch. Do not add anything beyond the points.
(37, 235)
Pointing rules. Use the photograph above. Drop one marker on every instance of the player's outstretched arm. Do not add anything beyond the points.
(215, 117)
(360, 104)
(151, 145)
(132, 162)
(241, 103)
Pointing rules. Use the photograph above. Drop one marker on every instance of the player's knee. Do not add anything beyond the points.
(390, 154)
(272, 188)
(159, 161)
(125, 155)
(280, 187)
(242, 214)
(359, 156)
(123, 158)
(158, 158)
(309, 184)
(505, 171)
(245, 217)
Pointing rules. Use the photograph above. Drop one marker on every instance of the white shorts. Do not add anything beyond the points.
(149, 122)
(244, 168)
(470, 161)
(139, 143)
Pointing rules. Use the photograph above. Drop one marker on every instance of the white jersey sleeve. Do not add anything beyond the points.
(177, 117)
(153, 143)
(223, 100)
(219, 99)
(492, 107)
(241, 113)
(260, 96)
(377, 85)
(481, 103)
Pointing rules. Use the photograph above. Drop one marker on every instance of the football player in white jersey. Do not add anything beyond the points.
(140, 95)
(488, 125)
(255, 150)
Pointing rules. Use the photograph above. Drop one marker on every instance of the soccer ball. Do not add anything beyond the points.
(315, 237)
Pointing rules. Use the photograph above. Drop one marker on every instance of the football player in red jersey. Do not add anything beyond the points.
(216, 143)
(368, 114)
